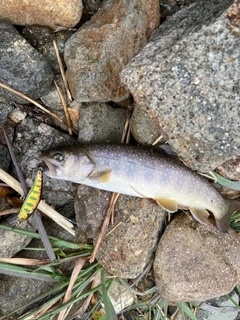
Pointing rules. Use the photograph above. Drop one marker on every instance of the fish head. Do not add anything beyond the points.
(66, 164)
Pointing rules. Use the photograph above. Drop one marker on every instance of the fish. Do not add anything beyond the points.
(33, 198)
(141, 172)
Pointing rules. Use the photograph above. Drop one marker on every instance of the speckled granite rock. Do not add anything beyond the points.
(142, 127)
(186, 77)
(103, 46)
(195, 262)
(90, 209)
(22, 67)
(127, 250)
(98, 122)
(44, 12)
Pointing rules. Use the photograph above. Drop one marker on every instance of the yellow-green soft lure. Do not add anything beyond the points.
(33, 198)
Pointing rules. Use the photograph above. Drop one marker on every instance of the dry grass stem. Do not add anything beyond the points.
(126, 130)
(115, 227)
(102, 233)
(62, 70)
(33, 102)
(25, 261)
(210, 176)
(78, 267)
(83, 308)
(44, 207)
(64, 108)
(9, 211)
(157, 140)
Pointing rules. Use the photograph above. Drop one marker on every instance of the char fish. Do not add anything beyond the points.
(141, 172)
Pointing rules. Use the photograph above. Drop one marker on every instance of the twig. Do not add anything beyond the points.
(62, 70)
(102, 233)
(14, 160)
(9, 211)
(78, 267)
(64, 108)
(126, 130)
(157, 140)
(34, 102)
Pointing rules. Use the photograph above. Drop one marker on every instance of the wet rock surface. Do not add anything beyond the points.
(22, 67)
(100, 49)
(186, 78)
(46, 13)
(195, 262)
(128, 248)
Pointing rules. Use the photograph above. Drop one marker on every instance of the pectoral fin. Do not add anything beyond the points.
(200, 215)
(168, 204)
(102, 176)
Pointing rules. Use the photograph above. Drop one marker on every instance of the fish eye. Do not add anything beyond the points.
(58, 156)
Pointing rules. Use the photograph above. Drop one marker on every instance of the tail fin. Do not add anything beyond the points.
(223, 224)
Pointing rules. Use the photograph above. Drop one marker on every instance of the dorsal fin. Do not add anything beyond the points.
(200, 214)
(167, 204)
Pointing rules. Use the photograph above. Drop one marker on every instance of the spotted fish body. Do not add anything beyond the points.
(140, 172)
(33, 198)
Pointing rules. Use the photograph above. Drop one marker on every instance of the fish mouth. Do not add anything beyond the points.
(48, 166)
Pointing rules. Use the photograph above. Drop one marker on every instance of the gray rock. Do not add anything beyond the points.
(52, 99)
(131, 245)
(41, 38)
(98, 122)
(22, 67)
(186, 77)
(12, 242)
(32, 137)
(5, 108)
(195, 262)
(17, 291)
(142, 127)
(103, 46)
(90, 209)
(5, 158)
(221, 308)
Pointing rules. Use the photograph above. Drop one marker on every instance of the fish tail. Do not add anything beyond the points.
(223, 224)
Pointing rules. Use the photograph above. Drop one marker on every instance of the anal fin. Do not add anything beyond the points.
(201, 215)
(102, 176)
(168, 204)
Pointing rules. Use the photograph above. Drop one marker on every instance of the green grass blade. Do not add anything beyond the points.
(18, 271)
(235, 185)
(110, 312)
(185, 309)
(54, 240)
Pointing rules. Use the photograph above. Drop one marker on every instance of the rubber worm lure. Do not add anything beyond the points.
(33, 198)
